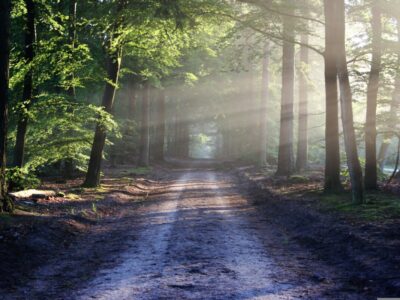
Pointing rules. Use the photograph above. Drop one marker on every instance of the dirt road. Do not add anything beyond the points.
(201, 238)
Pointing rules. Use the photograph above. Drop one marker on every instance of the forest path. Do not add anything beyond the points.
(197, 244)
(200, 239)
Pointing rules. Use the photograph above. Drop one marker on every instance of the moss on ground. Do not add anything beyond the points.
(378, 205)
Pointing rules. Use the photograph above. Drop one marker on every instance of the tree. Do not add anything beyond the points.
(285, 155)
(302, 138)
(346, 100)
(27, 95)
(113, 58)
(332, 154)
(370, 179)
(263, 107)
(5, 12)
(144, 149)
(158, 151)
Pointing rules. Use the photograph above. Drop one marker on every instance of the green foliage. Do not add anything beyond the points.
(21, 179)
(62, 129)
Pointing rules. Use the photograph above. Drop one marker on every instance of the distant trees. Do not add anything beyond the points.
(144, 149)
(392, 119)
(185, 44)
(158, 152)
(336, 70)
(263, 106)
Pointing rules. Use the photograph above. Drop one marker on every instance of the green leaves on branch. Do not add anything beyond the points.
(61, 129)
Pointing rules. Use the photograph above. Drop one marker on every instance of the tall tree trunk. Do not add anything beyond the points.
(6, 203)
(394, 108)
(285, 154)
(145, 127)
(332, 182)
(302, 138)
(96, 155)
(160, 127)
(27, 95)
(370, 179)
(113, 60)
(346, 102)
(263, 108)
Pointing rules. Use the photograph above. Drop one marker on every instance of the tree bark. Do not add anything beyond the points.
(160, 128)
(96, 155)
(346, 102)
(144, 128)
(27, 94)
(263, 108)
(285, 154)
(302, 138)
(370, 179)
(6, 203)
(332, 182)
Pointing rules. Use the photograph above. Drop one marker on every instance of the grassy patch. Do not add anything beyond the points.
(98, 197)
(378, 206)
(126, 180)
(139, 171)
(99, 189)
(72, 196)
(298, 179)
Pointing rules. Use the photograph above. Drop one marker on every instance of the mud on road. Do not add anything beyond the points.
(200, 236)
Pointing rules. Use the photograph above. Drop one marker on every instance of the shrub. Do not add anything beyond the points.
(21, 179)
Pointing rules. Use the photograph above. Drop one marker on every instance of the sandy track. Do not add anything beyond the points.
(202, 239)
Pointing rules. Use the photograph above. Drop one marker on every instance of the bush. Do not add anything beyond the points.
(21, 179)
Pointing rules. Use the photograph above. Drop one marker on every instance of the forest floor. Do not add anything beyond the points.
(196, 233)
